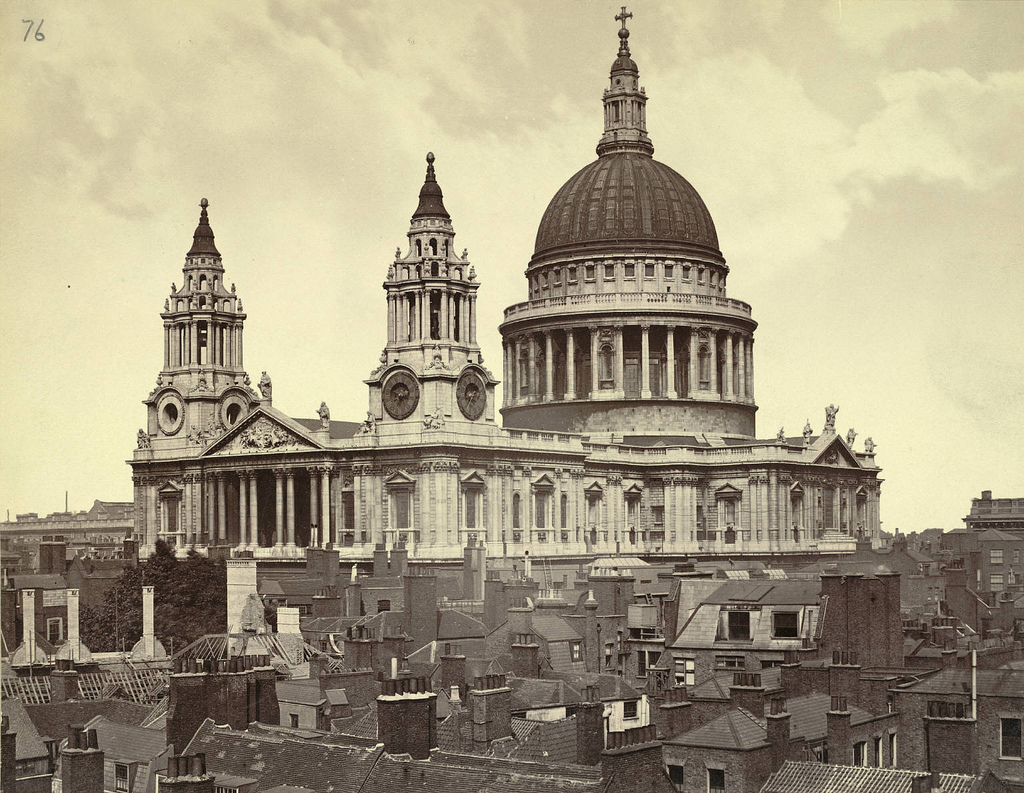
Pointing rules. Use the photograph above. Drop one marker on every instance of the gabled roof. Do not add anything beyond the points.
(796, 777)
(338, 429)
(456, 625)
(28, 743)
(991, 683)
(300, 692)
(38, 581)
(554, 629)
(548, 742)
(127, 743)
(52, 720)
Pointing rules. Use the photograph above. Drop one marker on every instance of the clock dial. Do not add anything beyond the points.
(401, 395)
(472, 395)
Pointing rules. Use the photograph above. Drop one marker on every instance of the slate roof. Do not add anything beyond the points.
(769, 592)
(554, 629)
(717, 687)
(548, 742)
(127, 743)
(991, 683)
(796, 777)
(338, 429)
(28, 744)
(300, 692)
(38, 581)
(740, 729)
(276, 757)
(456, 625)
(52, 720)
(531, 692)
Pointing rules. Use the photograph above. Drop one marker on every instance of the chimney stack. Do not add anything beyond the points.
(490, 705)
(28, 624)
(187, 774)
(75, 646)
(589, 727)
(407, 717)
(778, 732)
(674, 714)
(148, 622)
(453, 671)
(81, 765)
(63, 681)
(747, 692)
(838, 725)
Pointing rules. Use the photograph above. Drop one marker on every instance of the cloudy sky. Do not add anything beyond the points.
(862, 161)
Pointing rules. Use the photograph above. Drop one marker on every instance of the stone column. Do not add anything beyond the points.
(594, 364)
(531, 369)
(278, 506)
(728, 386)
(755, 505)
(243, 509)
(741, 353)
(750, 369)
(549, 367)
(773, 503)
(314, 539)
(472, 319)
(506, 380)
(149, 483)
(254, 515)
(289, 478)
(713, 350)
(222, 510)
(418, 322)
(391, 318)
(193, 344)
(445, 327)
(187, 517)
(325, 504)
(670, 362)
(694, 380)
(787, 507)
(646, 386)
(570, 362)
(620, 386)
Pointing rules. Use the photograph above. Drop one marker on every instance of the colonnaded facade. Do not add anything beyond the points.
(628, 404)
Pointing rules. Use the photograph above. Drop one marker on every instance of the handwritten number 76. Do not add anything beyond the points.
(39, 29)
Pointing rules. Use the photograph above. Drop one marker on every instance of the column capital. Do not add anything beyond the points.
(279, 473)
(646, 327)
(289, 473)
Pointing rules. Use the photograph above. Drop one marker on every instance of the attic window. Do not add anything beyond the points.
(120, 777)
(629, 709)
(785, 625)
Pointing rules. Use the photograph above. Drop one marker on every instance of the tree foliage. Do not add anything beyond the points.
(190, 597)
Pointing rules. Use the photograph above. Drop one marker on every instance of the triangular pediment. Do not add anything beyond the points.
(728, 491)
(399, 478)
(633, 490)
(170, 487)
(543, 481)
(837, 453)
(473, 478)
(594, 488)
(265, 431)
(796, 488)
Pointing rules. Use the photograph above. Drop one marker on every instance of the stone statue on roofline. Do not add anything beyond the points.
(266, 386)
(325, 416)
(780, 436)
(830, 418)
(851, 436)
(869, 445)
(808, 431)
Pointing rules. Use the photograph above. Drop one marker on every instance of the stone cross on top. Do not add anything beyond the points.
(623, 17)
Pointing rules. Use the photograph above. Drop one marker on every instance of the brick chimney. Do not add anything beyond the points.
(526, 660)
(407, 717)
(778, 732)
(490, 706)
(81, 764)
(675, 716)
(63, 681)
(399, 562)
(233, 691)
(474, 570)
(381, 568)
(453, 672)
(8, 755)
(844, 676)
(838, 720)
(53, 558)
(495, 601)
(747, 692)
(187, 774)
(420, 608)
(589, 727)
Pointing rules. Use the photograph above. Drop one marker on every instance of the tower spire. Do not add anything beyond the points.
(625, 102)
(202, 239)
(431, 199)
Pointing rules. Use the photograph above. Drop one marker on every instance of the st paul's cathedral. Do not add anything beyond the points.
(628, 415)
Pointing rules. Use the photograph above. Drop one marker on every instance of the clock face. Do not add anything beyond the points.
(472, 395)
(401, 395)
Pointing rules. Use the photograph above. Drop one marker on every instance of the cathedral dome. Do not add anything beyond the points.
(625, 197)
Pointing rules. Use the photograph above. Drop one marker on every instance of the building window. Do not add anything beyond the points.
(1010, 737)
(565, 511)
(995, 582)
(892, 750)
(541, 501)
(120, 777)
(785, 625)
(658, 516)
(630, 270)
(716, 780)
(515, 511)
(629, 709)
(588, 272)
(939, 709)
(668, 271)
(729, 662)
(54, 630)
(575, 651)
(686, 669)
(294, 719)
(609, 272)
(383, 605)
(472, 497)
(633, 512)
(572, 275)
(400, 508)
(859, 750)
(645, 659)
(878, 752)
(738, 623)
(995, 556)
(648, 271)
(675, 776)
(704, 367)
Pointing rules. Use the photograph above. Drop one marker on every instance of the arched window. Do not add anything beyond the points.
(515, 511)
(607, 367)
(524, 373)
(433, 246)
(419, 248)
(565, 511)
(202, 282)
(704, 362)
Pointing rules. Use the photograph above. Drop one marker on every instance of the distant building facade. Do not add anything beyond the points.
(1004, 514)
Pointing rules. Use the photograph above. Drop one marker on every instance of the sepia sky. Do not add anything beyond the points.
(862, 162)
